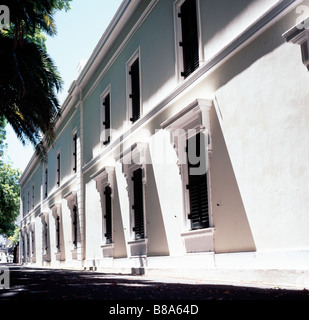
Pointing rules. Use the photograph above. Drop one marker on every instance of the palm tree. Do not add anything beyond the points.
(29, 80)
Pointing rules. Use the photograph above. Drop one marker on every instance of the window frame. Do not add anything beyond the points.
(138, 234)
(33, 196)
(190, 121)
(178, 39)
(130, 62)
(105, 178)
(108, 215)
(196, 117)
(58, 168)
(56, 213)
(105, 137)
(74, 151)
(45, 236)
(71, 198)
(45, 189)
(132, 159)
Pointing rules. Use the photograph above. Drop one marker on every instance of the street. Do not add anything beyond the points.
(54, 284)
(115, 296)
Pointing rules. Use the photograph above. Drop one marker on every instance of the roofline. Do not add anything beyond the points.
(122, 15)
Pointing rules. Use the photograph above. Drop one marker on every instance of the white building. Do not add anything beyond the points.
(182, 148)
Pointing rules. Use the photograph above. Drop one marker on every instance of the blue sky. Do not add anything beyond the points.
(78, 32)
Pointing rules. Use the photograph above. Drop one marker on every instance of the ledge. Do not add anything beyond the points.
(108, 250)
(201, 240)
(138, 247)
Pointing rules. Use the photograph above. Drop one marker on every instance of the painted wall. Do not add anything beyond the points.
(259, 127)
(262, 95)
(34, 198)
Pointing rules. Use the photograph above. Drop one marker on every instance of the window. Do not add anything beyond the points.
(105, 185)
(23, 204)
(32, 243)
(134, 168)
(106, 117)
(46, 236)
(32, 196)
(197, 184)
(191, 136)
(56, 213)
(108, 215)
(46, 182)
(58, 169)
(74, 152)
(138, 206)
(134, 101)
(187, 37)
(71, 198)
(28, 246)
(28, 204)
(58, 233)
(74, 223)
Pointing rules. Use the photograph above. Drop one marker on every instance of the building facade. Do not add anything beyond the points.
(182, 147)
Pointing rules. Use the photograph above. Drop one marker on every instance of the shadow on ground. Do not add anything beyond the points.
(46, 284)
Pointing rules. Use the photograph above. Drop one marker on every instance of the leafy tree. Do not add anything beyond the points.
(2, 135)
(29, 83)
(15, 237)
(9, 198)
(29, 80)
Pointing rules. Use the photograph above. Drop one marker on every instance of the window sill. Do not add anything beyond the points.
(46, 257)
(201, 240)
(108, 250)
(74, 253)
(138, 247)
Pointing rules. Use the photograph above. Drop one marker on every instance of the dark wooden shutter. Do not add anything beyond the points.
(28, 245)
(107, 117)
(198, 191)
(58, 232)
(28, 204)
(138, 205)
(46, 182)
(32, 196)
(46, 236)
(108, 214)
(75, 152)
(135, 91)
(58, 169)
(189, 41)
(75, 226)
(32, 242)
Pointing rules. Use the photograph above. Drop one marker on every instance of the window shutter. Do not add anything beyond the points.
(32, 196)
(189, 41)
(108, 214)
(135, 94)
(75, 152)
(58, 232)
(45, 235)
(198, 192)
(138, 206)
(75, 226)
(58, 169)
(107, 121)
(46, 182)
